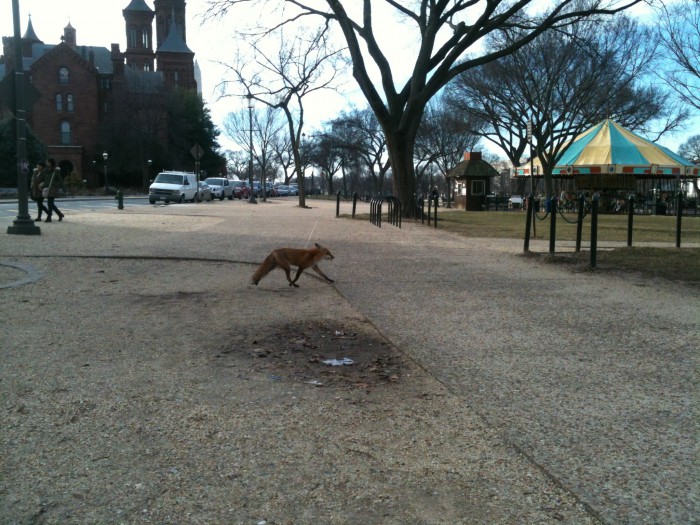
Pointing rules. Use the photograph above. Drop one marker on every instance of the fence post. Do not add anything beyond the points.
(679, 215)
(630, 219)
(354, 204)
(579, 224)
(337, 204)
(552, 223)
(528, 222)
(430, 202)
(422, 210)
(436, 207)
(594, 229)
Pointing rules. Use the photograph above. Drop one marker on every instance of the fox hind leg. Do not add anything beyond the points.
(289, 277)
(296, 277)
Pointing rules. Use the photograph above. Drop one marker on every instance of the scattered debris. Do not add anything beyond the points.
(345, 361)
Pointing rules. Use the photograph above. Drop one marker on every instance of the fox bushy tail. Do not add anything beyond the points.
(265, 267)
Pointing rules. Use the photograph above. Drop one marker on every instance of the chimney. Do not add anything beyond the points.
(117, 61)
(472, 155)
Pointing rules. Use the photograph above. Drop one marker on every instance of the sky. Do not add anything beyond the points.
(212, 43)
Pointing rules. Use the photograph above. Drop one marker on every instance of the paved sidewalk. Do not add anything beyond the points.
(590, 381)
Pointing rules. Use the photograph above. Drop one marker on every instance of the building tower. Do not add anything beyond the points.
(176, 60)
(168, 11)
(139, 53)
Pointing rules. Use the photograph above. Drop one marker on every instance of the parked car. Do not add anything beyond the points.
(204, 192)
(283, 190)
(293, 188)
(515, 202)
(240, 189)
(220, 187)
(270, 189)
(173, 186)
(256, 189)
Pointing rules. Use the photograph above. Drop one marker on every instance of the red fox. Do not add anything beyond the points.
(287, 257)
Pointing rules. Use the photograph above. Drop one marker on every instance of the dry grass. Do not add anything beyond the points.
(666, 262)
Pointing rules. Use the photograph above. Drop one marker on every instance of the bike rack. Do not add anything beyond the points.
(393, 213)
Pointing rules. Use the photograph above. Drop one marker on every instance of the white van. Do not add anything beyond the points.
(173, 186)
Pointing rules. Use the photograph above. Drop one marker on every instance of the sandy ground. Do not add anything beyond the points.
(143, 379)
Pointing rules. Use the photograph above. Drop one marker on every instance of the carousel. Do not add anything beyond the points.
(612, 160)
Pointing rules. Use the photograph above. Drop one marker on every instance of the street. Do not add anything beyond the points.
(9, 208)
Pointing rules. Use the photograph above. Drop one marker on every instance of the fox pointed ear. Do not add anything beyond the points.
(318, 245)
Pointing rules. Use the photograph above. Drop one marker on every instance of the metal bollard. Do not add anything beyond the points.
(579, 223)
(552, 223)
(119, 197)
(630, 219)
(337, 205)
(679, 214)
(528, 222)
(594, 229)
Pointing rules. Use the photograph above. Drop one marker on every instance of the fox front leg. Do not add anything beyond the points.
(316, 269)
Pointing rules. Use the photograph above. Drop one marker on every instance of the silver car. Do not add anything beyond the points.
(221, 187)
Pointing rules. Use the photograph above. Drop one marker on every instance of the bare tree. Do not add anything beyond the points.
(302, 65)
(267, 125)
(680, 37)
(236, 163)
(284, 156)
(690, 150)
(560, 85)
(358, 131)
(328, 154)
(441, 141)
(445, 32)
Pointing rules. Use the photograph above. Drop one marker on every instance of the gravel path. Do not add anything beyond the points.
(144, 380)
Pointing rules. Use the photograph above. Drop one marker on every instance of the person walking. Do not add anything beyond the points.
(37, 177)
(53, 181)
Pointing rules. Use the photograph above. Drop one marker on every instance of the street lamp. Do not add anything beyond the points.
(105, 156)
(251, 199)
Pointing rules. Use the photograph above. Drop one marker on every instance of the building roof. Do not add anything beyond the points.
(138, 5)
(29, 34)
(174, 43)
(138, 81)
(607, 147)
(472, 166)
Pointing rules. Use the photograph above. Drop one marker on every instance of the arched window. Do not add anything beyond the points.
(59, 102)
(65, 133)
(69, 102)
(63, 75)
(177, 78)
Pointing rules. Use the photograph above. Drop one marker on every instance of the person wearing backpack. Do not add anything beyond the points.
(50, 184)
(36, 190)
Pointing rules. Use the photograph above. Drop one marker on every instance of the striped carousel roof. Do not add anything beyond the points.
(609, 148)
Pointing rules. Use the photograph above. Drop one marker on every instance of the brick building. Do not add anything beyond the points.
(92, 95)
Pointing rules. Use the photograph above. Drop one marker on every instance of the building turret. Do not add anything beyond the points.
(176, 60)
(167, 12)
(69, 35)
(139, 36)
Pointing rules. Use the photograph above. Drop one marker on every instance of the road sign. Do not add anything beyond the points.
(197, 151)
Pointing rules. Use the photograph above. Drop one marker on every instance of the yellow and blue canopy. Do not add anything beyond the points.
(609, 148)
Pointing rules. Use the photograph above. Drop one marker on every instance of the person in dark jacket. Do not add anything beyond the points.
(53, 181)
(36, 190)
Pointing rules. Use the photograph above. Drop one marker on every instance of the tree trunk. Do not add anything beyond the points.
(404, 178)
